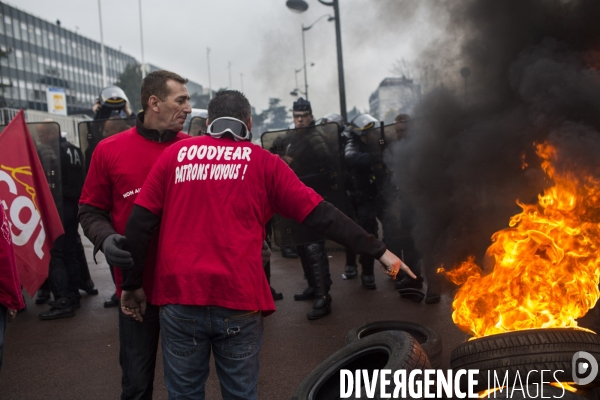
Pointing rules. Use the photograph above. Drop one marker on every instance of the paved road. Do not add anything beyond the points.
(77, 358)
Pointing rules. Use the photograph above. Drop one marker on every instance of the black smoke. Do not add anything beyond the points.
(469, 157)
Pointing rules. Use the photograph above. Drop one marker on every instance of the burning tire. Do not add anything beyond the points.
(428, 339)
(384, 350)
(517, 353)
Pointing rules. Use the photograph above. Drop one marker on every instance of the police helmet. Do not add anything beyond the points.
(113, 98)
(333, 117)
(362, 123)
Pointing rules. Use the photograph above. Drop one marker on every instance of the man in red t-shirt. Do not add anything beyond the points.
(119, 167)
(11, 299)
(212, 196)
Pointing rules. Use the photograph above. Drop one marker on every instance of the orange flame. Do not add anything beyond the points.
(547, 262)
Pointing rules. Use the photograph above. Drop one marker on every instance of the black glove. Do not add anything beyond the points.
(112, 247)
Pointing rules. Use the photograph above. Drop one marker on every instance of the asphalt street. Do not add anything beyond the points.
(77, 358)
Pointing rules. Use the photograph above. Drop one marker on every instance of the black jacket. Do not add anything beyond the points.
(358, 161)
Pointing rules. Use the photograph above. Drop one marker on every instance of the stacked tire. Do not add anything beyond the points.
(525, 353)
(429, 340)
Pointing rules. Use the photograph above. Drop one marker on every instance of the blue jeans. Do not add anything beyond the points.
(3, 321)
(137, 355)
(189, 333)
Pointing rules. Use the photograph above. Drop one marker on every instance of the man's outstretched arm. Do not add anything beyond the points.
(334, 225)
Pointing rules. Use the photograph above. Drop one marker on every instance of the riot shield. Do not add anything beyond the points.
(381, 137)
(46, 137)
(197, 126)
(313, 153)
(92, 132)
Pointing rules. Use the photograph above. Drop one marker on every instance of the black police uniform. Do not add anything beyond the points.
(363, 195)
(309, 150)
(65, 271)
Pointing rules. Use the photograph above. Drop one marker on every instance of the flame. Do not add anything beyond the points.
(547, 262)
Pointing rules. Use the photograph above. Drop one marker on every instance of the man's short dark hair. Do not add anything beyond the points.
(156, 84)
(229, 103)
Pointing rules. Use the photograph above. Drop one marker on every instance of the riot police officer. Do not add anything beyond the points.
(362, 188)
(112, 102)
(350, 270)
(303, 149)
(65, 271)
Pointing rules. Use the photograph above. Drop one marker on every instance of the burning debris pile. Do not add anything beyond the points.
(547, 263)
(472, 160)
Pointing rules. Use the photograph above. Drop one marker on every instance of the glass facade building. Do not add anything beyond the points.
(41, 54)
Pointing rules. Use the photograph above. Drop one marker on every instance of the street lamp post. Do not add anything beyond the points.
(301, 6)
(142, 41)
(102, 46)
(297, 87)
(304, 29)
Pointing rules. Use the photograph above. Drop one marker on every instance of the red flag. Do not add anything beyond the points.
(26, 197)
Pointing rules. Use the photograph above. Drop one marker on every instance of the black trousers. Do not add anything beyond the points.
(137, 355)
(64, 266)
(366, 213)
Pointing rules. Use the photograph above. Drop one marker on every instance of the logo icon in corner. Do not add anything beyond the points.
(584, 364)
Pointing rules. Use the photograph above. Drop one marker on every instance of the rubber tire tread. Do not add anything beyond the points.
(524, 351)
(432, 344)
(404, 353)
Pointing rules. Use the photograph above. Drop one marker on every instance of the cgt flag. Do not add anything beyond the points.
(26, 197)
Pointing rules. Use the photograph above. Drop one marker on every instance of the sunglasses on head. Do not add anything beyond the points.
(237, 128)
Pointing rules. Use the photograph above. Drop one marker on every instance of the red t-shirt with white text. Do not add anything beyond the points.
(119, 167)
(215, 197)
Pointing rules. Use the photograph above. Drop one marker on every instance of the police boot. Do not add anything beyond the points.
(88, 287)
(350, 271)
(61, 309)
(320, 269)
(43, 295)
(367, 278)
(288, 252)
(309, 292)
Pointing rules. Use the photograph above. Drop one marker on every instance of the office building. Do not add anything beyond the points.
(39, 55)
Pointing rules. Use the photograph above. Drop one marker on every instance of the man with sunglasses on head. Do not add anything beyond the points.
(212, 196)
(119, 166)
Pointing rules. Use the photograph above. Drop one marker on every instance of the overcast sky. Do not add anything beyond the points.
(262, 40)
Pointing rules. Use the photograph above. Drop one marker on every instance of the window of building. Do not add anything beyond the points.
(19, 56)
(27, 61)
(1, 23)
(38, 36)
(24, 30)
(30, 35)
(11, 59)
(8, 24)
(51, 41)
(3, 60)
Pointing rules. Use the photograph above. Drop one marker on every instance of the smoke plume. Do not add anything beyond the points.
(470, 152)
